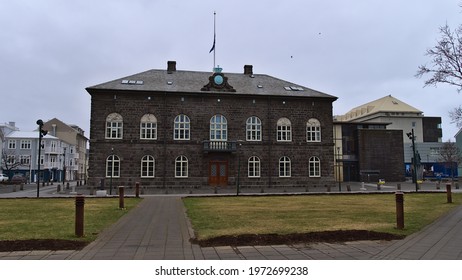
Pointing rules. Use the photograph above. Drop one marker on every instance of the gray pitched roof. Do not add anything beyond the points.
(193, 81)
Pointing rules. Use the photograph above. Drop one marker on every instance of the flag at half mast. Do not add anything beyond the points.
(214, 38)
(213, 46)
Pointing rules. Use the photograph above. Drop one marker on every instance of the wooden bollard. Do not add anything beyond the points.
(79, 215)
(121, 197)
(399, 197)
(348, 188)
(449, 193)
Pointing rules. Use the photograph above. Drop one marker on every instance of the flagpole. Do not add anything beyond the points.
(214, 37)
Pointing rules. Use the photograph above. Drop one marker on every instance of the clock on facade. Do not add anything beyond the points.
(218, 79)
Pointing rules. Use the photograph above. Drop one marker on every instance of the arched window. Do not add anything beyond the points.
(313, 131)
(253, 129)
(113, 166)
(114, 126)
(148, 167)
(284, 130)
(148, 127)
(181, 167)
(314, 167)
(254, 167)
(284, 167)
(182, 127)
(218, 128)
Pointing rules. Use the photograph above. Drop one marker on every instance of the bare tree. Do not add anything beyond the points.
(9, 161)
(450, 155)
(446, 64)
(456, 116)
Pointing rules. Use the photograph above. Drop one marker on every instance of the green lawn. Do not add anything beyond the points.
(218, 216)
(22, 219)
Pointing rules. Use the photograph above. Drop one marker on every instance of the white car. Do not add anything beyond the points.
(3, 178)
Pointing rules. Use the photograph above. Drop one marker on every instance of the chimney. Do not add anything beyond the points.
(248, 70)
(171, 67)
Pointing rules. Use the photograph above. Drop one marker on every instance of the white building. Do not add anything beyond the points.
(20, 155)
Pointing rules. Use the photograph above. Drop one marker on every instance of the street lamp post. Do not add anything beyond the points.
(41, 134)
(64, 166)
(339, 170)
(238, 168)
(414, 174)
(112, 170)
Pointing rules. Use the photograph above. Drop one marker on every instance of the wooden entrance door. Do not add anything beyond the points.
(218, 173)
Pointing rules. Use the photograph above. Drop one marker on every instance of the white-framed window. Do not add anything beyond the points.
(313, 131)
(181, 167)
(54, 147)
(114, 126)
(284, 130)
(434, 151)
(148, 167)
(253, 129)
(24, 159)
(11, 144)
(53, 161)
(26, 144)
(314, 166)
(113, 166)
(218, 128)
(10, 159)
(148, 127)
(284, 167)
(182, 127)
(254, 167)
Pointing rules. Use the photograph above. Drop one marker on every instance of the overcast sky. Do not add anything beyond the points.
(359, 51)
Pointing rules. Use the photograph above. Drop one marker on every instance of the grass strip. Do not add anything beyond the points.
(54, 218)
(212, 217)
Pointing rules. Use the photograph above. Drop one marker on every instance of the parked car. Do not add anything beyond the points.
(3, 178)
(18, 179)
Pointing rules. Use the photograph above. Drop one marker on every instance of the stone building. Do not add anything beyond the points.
(172, 128)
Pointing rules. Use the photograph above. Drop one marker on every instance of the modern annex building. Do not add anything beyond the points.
(171, 128)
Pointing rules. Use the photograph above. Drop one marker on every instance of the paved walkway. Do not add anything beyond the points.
(158, 229)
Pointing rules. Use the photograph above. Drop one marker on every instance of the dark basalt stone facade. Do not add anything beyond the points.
(214, 154)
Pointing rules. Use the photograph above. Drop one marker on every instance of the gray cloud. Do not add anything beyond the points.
(357, 50)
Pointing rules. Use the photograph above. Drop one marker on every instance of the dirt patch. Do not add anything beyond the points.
(227, 240)
(312, 237)
(41, 244)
